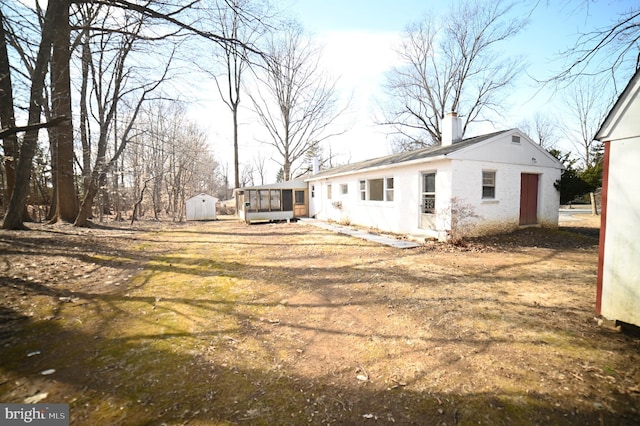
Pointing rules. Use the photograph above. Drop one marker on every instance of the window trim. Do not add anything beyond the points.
(389, 190)
(491, 185)
(425, 193)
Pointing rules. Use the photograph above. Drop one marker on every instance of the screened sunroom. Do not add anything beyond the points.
(278, 201)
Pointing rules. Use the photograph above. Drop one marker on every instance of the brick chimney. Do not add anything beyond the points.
(451, 129)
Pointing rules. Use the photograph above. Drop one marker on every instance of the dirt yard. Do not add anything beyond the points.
(222, 323)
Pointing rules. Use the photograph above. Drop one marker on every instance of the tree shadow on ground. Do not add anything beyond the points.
(138, 381)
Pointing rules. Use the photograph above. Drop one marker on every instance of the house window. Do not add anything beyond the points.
(313, 191)
(515, 139)
(488, 185)
(299, 197)
(344, 189)
(376, 190)
(363, 190)
(428, 193)
(329, 192)
(389, 189)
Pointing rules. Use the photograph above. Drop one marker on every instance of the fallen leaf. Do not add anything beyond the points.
(36, 398)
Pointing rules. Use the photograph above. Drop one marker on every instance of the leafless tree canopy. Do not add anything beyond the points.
(611, 52)
(296, 101)
(587, 105)
(542, 128)
(451, 65)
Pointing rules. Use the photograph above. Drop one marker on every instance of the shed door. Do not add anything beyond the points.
(528, 199)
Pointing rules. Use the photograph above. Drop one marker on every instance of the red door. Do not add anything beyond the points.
(528, 199)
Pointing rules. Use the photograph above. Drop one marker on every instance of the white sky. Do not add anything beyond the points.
(358, 38)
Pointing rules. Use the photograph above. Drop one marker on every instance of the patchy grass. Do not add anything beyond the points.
(223, 323)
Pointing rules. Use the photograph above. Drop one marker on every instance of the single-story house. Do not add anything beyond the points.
(618, 286)
(277, 201)
(201, 207)
(485, 184)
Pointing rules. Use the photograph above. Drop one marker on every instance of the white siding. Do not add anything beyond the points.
(503, 212)
(621, 266)
(402, 215)
(458, 175)
(201, 207)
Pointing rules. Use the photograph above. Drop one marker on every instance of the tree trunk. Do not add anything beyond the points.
(594, 205)
(236, 161)
(91, 190)
(7, 117)
(67, 206)
(13, 218)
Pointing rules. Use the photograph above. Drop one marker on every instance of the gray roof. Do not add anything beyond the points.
(290, 184)
(423, 153)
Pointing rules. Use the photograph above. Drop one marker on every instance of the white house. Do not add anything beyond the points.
(201, 207)
(618, 289)
(485, 184)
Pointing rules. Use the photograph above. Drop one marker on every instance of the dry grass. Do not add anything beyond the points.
(223, 323)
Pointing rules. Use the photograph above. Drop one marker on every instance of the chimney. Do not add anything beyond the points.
(316, 165)
(451, 129)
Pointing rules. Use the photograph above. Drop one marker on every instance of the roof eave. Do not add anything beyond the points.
(618, 108)
(377, 168)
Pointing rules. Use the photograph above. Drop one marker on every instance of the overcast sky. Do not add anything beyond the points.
(359, 36)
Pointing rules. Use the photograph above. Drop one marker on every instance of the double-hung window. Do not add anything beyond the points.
(488, 185)
(329, 192)
(388, 187)
(363, 190)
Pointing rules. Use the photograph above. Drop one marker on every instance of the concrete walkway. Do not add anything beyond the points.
(380, 239)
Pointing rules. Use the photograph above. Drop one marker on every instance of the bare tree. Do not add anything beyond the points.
(7, 116)
(112, 81)
(452, 65)
(13, 217)
(62, 135)
(163, 19)
(247, 176)
(170, 158)
(234, 22)
(296, 101)
(260, 163)
(608, 52)
(587, 106)
(541, 128)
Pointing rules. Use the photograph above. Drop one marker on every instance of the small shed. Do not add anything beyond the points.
(618, 285)
(201, 207)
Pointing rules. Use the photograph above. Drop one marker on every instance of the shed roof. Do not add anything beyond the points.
(202, 195)
(404, 157)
